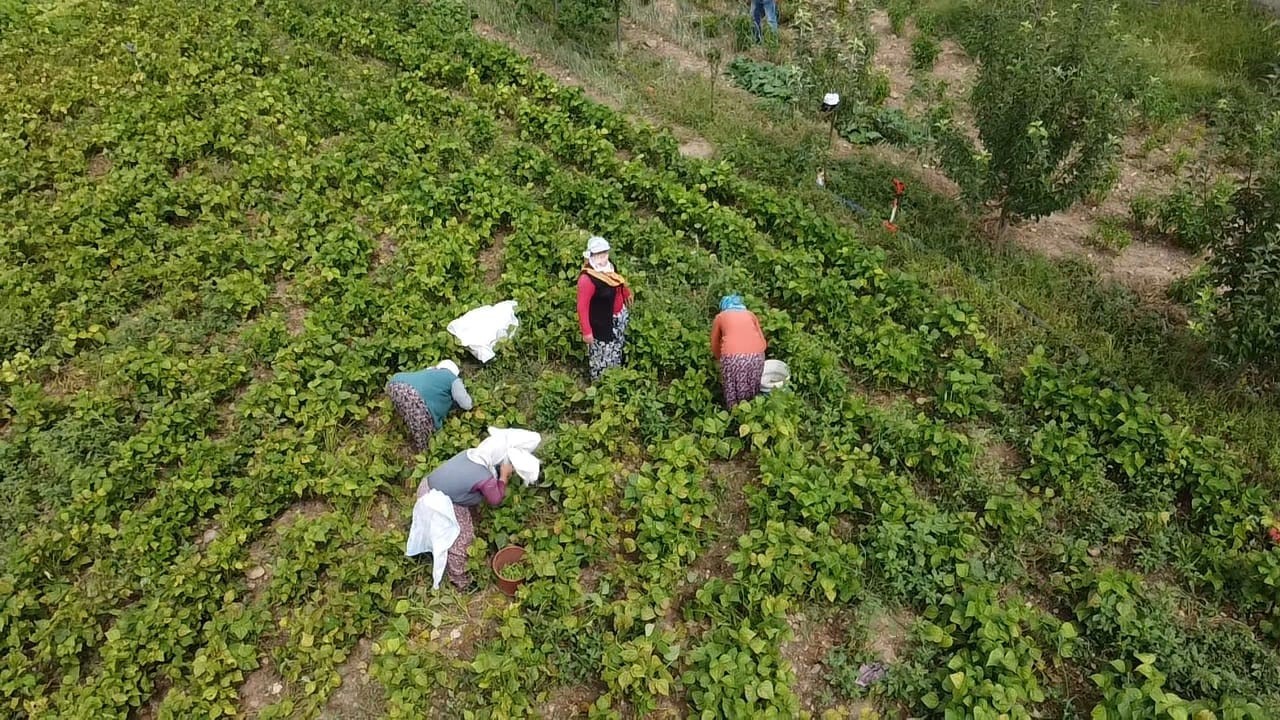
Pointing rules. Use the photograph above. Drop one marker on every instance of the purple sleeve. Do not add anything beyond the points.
(493, 490)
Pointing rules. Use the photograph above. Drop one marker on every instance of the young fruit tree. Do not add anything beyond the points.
(1238, 308)
(1047, 105)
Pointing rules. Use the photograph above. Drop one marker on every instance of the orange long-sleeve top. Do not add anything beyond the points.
(737, 332)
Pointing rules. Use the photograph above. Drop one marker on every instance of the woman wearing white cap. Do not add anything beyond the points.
(471, 476)
(604, 302)
(424, 398)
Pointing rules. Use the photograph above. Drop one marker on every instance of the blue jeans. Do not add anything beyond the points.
(761, 9)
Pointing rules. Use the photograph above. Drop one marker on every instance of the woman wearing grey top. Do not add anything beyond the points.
(466, 482)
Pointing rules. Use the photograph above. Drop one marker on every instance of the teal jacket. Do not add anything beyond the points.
(439, 389)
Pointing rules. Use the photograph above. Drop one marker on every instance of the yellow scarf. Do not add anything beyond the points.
(612, 279)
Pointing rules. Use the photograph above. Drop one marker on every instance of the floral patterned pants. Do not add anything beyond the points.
(456, 566)
(413, 412)
(604, 355)
(740, 375)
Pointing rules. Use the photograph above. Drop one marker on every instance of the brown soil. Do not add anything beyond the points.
(302, 508)
(491, 258)
(1002, 455)
(98, 166)
(69, 382)
(881, 399)
(208, 536)
(295, 314)
(697, 148)
(1147, 268)
(151, 710)
(812, 640)
(893, 56)
(359, 697)
(1151, 268)
(569, 702)
(642, 38)
(995, 452)
(385, 517)
(670, 707)
(261, 688)
(888, 633)
(461, 639)
(956, 69)
(589, 578)
(384, 249)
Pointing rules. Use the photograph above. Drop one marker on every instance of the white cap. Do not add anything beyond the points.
(595, 245)
(831, 99)
(449, 365)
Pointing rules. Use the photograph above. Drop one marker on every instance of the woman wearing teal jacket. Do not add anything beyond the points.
(424, 398)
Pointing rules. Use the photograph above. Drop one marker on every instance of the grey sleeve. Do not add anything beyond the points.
(459, 393)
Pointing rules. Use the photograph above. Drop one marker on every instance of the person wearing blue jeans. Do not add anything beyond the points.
(761, 9)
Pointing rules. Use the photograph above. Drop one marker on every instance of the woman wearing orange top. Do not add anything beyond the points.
(738, 343)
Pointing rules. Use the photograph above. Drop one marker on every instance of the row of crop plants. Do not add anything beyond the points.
(886, 329)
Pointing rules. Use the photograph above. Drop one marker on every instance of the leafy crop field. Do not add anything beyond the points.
(226, 224)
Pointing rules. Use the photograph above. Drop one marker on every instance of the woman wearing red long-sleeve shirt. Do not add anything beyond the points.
(604, 302)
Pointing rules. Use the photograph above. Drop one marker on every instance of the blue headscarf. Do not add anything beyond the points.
(732, 302)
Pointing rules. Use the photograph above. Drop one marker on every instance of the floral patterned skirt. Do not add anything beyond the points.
(414, 413)
(604, 355)
(740, 375)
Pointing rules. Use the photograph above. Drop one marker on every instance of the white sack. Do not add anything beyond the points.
(511, 445)
(481, 329)
(434, 529)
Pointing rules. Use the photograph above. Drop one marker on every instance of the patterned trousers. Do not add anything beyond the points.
(414, 413)
(740, 375)
(456, 566)
(604, 355)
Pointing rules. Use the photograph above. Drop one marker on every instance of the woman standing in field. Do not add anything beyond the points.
(424, 398)
(604, 303)
(738, 343)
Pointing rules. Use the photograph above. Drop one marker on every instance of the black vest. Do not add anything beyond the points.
(600, 310)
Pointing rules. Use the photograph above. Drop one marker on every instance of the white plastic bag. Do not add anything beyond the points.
(512, 445)
(434, 529)
(481, 329)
